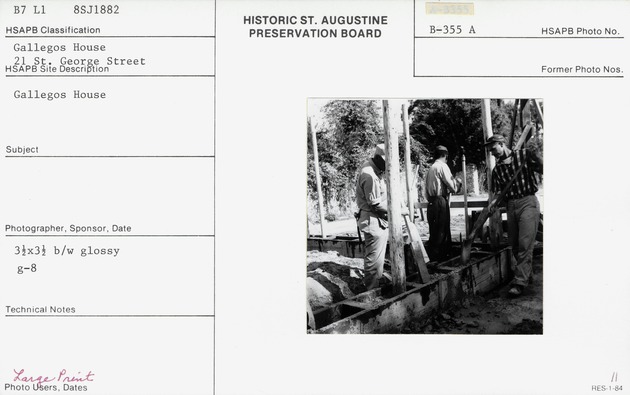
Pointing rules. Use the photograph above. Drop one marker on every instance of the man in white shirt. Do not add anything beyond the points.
(439, 184)
(372, 203)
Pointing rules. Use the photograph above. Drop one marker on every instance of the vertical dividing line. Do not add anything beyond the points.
(414, 40)
(214, 215)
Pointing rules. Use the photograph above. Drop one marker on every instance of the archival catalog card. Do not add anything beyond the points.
(314, 197)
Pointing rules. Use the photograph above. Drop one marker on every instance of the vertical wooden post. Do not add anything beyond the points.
(514, 115)
(521, 106)
(465, 190)
(320, 198)
(415, 169)
(527, 113)
(486, 122)
(408, 175)
(475, 178)
(392, 171)
(495, 220)
(538, 110)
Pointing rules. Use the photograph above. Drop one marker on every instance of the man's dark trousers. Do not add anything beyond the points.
(439, 216)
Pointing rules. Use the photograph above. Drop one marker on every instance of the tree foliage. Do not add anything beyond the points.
(457, 125)
(350, 129)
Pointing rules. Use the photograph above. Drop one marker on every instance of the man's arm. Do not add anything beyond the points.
(449, 180)
(372, 192)
(496, 188)
(535, 161)
(376, 199)
(381, 206)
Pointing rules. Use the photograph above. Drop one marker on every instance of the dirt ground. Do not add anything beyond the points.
(332, 278)
(494, 313)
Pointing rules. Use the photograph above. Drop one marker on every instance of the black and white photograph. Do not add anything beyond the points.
(425, 216)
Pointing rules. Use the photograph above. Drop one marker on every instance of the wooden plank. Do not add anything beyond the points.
(396, 243)
(538, 110)
(524, 137)
(349, 248)
(419, 253)
(485, 276)
(471, 204)
(413, 307)
(454, 261)
(358, 305)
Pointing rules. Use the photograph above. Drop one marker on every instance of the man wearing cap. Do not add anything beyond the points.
(523, 209)
(439, 184)
(372, 203)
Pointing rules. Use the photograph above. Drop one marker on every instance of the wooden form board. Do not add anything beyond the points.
(419, 253)
(350, 248)
(471, 204)
(418, 302)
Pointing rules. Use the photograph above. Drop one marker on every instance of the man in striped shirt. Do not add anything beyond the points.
(523, 209)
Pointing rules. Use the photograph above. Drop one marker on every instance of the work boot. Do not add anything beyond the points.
(515, 291)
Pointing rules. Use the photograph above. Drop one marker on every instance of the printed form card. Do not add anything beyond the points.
(180, 188)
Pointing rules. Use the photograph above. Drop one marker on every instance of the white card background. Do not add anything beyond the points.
(257, 290)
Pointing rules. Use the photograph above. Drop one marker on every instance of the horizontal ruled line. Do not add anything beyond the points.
(67, 235)
(525, 37)
(110, 75)
(111, 156)
(519, 76)
(115, 315)
(88, 36)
